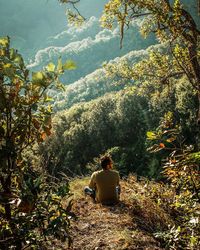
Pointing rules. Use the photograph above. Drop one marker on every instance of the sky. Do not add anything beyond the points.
(40, 32)
(30, 23)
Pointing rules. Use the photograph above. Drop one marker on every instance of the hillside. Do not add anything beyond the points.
(98, 83)
(131, 224)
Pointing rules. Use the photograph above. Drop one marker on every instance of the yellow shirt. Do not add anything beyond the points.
(105, 182)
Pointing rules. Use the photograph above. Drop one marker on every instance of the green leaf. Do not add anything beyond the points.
(9, 70)
(193, 240)
(38, 181)
(69, 65)
(12, 54)
(19, 60)
(50, 67)
(38, 77)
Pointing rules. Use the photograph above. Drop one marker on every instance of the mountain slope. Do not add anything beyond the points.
(89, 46)
(98, 83)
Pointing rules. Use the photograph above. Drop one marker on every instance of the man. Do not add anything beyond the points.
(104, 184)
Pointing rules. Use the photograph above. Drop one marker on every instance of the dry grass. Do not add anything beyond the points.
(127, 225)
(77, 185)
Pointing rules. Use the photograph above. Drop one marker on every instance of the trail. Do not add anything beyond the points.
(127, 225)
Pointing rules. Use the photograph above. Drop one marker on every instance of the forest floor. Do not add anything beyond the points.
(130, 224)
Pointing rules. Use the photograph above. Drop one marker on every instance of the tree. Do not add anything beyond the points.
(27, 206)
(181, 168)
(171, 23)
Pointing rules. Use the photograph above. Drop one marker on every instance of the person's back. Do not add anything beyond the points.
(105, 183)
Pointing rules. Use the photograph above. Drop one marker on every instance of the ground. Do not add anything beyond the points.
(131, 224)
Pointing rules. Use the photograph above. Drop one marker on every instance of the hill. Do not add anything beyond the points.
(99, 82)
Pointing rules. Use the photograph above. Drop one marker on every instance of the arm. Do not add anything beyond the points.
(118, 184)
(92, 183)
(118, 179)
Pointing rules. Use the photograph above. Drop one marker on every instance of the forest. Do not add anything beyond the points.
(118, 78)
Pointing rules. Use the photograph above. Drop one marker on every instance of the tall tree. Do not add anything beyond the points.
(25, 118)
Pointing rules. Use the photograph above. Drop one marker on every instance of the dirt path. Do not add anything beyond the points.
(110, 227)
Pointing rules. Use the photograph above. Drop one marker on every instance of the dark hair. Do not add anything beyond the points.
(105, 161)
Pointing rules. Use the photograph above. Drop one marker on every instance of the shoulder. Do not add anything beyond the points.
(95, 174)
(115, 172)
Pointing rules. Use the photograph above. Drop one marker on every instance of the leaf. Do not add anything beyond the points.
(60, 86)
(12, 54)
(4, 41)
(36, 123)
(69, 65)
(38, 77)
(60, 66)
(19, 60)
(2, 52)
(50, 67)
(38, 181)
(151, 135)
(43, 136)
(171, 139)
(48, 99)
(47, 130)
(9, 70)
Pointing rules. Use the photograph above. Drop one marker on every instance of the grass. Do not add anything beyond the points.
(131, 224)
(77, 185)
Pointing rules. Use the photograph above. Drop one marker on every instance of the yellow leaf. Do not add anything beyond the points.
(60, 66)
(50, 67)
(171, 139)
(37, 77)
(69, 65)
(151, 135)
(4, 41)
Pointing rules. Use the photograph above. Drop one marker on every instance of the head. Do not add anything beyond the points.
(106, 162)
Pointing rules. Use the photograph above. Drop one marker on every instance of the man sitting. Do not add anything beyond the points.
(104, 184)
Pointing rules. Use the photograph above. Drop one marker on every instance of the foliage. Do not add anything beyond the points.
(181, 168)
(167, 75)
(173, 26)
(163, 75)
(38, 214)
(117, 123)
(73, 16)
(87, 130)
(25, 119)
